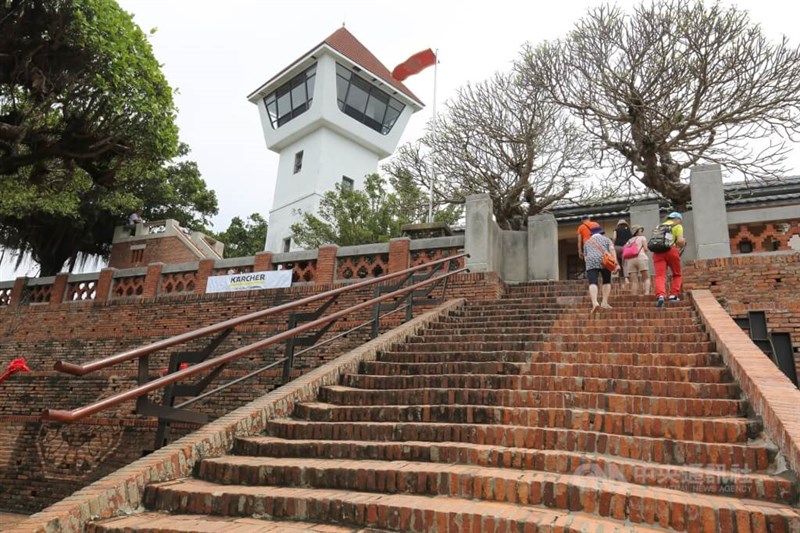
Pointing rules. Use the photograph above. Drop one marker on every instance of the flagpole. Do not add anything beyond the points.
(433, 139)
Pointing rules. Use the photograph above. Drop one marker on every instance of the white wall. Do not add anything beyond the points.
(281, 220)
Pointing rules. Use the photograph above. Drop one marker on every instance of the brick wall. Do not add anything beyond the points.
(35, 457)
(748, 282)
(168, 250)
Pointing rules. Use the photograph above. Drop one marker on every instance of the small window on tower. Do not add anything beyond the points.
(298, 161)
(287, 244)
(347, 184)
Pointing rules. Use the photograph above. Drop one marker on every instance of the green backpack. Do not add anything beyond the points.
(661, 240)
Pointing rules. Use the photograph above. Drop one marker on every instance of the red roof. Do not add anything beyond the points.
(346, 44)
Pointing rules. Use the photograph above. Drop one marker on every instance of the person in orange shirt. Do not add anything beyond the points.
(585, 232)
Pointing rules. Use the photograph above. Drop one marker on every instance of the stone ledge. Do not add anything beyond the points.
(772, 395)
(121, 492)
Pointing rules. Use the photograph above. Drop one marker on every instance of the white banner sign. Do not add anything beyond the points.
(273, 279)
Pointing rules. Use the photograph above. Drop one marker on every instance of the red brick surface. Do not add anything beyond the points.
(744, 283)
(122, 490)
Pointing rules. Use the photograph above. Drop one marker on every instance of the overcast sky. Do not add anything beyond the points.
(215, 53)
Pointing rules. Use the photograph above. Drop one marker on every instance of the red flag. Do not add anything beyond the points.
(414, 64)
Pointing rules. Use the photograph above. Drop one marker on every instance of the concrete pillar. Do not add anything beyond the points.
(646, 214)
(542, 247)
(479, 233)
(709, 216)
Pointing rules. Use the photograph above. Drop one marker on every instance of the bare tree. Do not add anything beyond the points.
(503, 138)
(675, 84)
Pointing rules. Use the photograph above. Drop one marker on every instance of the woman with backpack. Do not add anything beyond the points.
(637, 262)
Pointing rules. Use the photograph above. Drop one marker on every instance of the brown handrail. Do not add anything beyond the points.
(82, 412)
(81, 370)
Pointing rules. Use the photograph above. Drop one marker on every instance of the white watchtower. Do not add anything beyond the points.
(331, 115)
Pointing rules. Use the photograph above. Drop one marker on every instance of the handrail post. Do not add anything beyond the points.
(289, 353)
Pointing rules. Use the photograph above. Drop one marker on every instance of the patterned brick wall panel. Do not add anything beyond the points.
(128, 287)
(38, 294)
(362, 266)
(766, 237)
(178, 283)
(419, 257)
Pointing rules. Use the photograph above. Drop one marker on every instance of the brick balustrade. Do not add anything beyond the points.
(771, 394)
(149, 282)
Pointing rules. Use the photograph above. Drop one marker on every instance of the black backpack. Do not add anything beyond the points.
(661, 241)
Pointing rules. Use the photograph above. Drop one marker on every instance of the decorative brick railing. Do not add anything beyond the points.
(355, 267)
(178, 282)
(763, 237)
(5, 295)
(329, 264)
(128, 286)
(39, 291)
(79, 290)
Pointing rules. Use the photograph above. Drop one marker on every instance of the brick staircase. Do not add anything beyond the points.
(523, 414)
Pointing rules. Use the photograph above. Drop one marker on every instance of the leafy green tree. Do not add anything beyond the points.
(351, 217)
(244, 238)
(671, 85)
(87, 131)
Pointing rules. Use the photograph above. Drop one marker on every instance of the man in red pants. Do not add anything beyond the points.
(672, 259)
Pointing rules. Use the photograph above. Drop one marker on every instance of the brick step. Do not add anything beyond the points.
(562, 346)
(519, 356)
(709, 374)
(569, 302)
(629, 313)
(395, 512)
(672, 389)
(153, 522)
(576, 493)
(612, 403)
(660, 336)
(710, 430)
(575, 323)
(523, 328)
(753, 456)
(713, 479)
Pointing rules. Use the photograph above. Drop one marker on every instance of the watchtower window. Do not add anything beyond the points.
(287, 244)
(366, 103)
(298, 162)
(347, 184)
(291, 99)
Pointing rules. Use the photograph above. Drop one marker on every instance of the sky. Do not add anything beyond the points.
(216, 53)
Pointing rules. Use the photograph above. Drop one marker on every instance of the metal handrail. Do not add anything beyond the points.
(276, 363)
(81, 370)
(111, 401)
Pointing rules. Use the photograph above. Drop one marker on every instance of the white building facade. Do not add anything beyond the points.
(332, 115)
